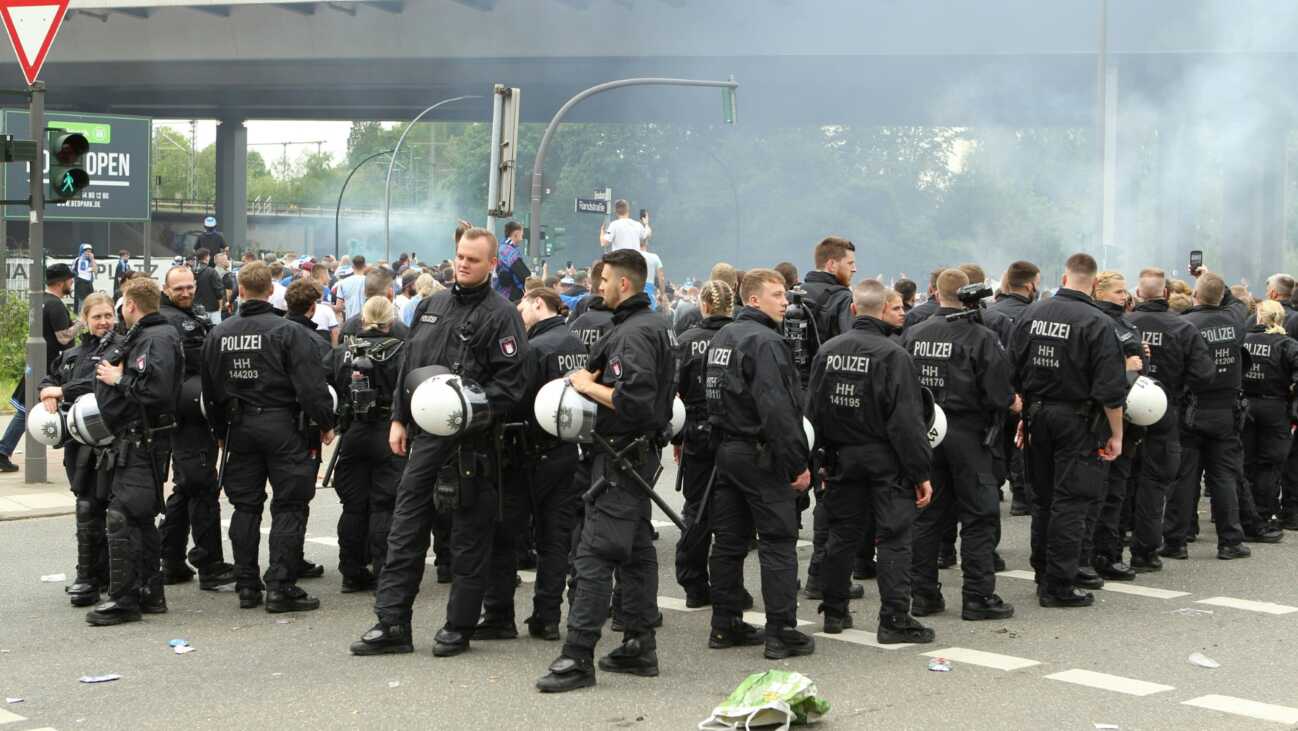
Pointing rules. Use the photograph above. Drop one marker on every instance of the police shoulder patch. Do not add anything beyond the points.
(508, 346)
(615, 367)
(428, 319)
(139, 363)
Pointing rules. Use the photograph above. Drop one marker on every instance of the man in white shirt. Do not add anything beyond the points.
(352, 289)
(624, 233)
(653, 276)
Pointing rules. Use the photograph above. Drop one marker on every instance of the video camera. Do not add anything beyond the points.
(971, 296)
(363, 394)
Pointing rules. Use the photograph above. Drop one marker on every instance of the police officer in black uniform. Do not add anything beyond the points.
(262, 382)
(470, 330)
(365, 372)
(1213, 416)
(1269, 386)
(137, 389)
(631, 377)
(964, 365)
(194, 504)
(71, 376)
(752, 393)
(1018, 290)
(694, 451)
(538, 484)
(865, 403)
(830, 301)
(1178, 358)
(925, 309)
(1068, 370)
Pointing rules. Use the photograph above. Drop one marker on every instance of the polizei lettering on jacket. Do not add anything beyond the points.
(1223, 334)
(847, 363)
(571, 362)
(930, 349)
(719, 357)
(1048, 329)
(236, 343)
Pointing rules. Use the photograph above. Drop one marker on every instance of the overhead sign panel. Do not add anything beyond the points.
(118, 164)
(32, 26)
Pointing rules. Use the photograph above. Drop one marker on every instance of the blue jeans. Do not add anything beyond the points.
(14, 432)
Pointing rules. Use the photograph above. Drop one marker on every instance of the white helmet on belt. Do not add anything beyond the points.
(448, 405)
(86, 424)
(937, 427)
(1146, 402)
(46, 428)
(564, 413)
(678, 415)
(810, 432)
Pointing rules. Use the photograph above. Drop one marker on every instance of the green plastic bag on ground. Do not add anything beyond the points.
(764, 699)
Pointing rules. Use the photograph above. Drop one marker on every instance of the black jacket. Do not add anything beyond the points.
(192, 331)
(1010, 304)
(593, 322)
(1273, 364)
(353, 326)
(474, 332)
(688, 315)
(1064, 349)
(752, 390)
(1126, 330)
(152, 359)
(963, 364)
(555, 352)
(384, 353)
(209, 288)
(637, 359)
(832, 303)
(264, 360)
(1178, 356)
(322, 346)
(74, 369)
(865, 389)
(1223, 332)
(920, 313)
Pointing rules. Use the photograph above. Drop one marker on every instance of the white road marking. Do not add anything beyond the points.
(11, 506)
(862, 637)
(1017, 574)
(7, 717)
(1104, 681)
(1248, 605)
(758, 619)
(1245, 707)
(803, 544)
(324, 541)
(660, 524)
(985, 659)
(528, 577)
(676, 604)
(1149, 591)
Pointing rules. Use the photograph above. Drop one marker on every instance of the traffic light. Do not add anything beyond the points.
(67, 175)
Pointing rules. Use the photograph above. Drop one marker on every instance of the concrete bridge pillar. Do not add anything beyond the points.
(232, 182)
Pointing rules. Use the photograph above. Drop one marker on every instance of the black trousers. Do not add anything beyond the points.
(1066, 476)
(414, 517)
(365, 479)
(134, 550)
(1267, 442)
(697, 463)
(964, 490)
(194, 505)
(820, 538)
(265, 447)
(1211, 451)
(508, 534)
(615, 534)
(1155, 468)
(91, 507)
(749, 495)
(473, 538)
(866, 482)
(1102, 538)
(1015, 472)
(555, 502)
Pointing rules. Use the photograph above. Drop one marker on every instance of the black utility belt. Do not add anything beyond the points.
(376, 413)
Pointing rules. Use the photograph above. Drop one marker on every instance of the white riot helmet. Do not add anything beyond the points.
(333, 395)
(564, 413)
(209, 222)
(1146, 402)
(934, 419)
(191, 407)
(46, 428)
(678, 415)
(448, 405)
(86, 424)
(810, 432)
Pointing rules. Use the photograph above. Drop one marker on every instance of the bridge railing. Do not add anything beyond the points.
(259, 207)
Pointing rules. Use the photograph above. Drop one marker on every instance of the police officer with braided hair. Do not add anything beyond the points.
(137, 390)
(263, 381)
(963, 364)
(472, 331)
(694, 450)
(1068, 370)
(866, 406)
(631, 377)
(194, 505)
(1269, 385)
(72, 375)
(539, 484)
(365, 372)
(762, 455)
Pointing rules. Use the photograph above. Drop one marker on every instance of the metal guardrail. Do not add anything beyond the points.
(260, 208)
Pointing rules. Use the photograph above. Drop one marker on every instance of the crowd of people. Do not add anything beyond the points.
(899, 420)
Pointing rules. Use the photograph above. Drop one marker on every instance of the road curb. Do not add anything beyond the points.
(7, 515)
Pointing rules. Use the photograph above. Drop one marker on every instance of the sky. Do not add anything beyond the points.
(333, 134)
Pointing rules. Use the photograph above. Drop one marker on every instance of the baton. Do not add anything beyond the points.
(620, 460)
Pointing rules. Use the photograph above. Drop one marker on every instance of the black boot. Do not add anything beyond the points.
(114, 612)
(358, 583)
(835, 622)
(1177, 552)
(1263, 533)
(496, 629)
(1113, 570)
(1066, 596)
(153, 599)
(567, 674)
(290, 599)
(698, 598)
(1228, 553)
(986, 607)
(249, 598)
(895, 629)
(123, 563)
(213, 576)
(1087, 578)
(788, 642)
(946, 557)
(310, 570)
(384, 639)
(739, 634)
(864, 568)
(176, 572)
(925, 603)
(548, 631)
(635, 656)
(84, 591)
(1146, 564)
(449, 643)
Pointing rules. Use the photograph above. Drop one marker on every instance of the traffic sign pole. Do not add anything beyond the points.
(35, 451)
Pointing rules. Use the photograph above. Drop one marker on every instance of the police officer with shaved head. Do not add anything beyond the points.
(1069, 370)
(471, 331)
(865, 403)
(631, 377)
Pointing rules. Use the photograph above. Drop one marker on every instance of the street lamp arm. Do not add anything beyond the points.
(338, 211)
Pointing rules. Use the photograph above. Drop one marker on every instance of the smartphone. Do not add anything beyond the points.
(1196, 262)
(643, 213)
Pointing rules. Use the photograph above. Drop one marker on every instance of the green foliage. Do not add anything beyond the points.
(13, 335)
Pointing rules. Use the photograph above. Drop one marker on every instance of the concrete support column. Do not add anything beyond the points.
(232, 182)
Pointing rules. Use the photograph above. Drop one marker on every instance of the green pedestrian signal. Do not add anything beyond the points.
(68, 176)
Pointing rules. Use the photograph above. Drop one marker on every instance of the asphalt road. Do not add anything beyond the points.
(253, 669)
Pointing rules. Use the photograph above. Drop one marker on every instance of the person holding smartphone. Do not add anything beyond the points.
(623, 232)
